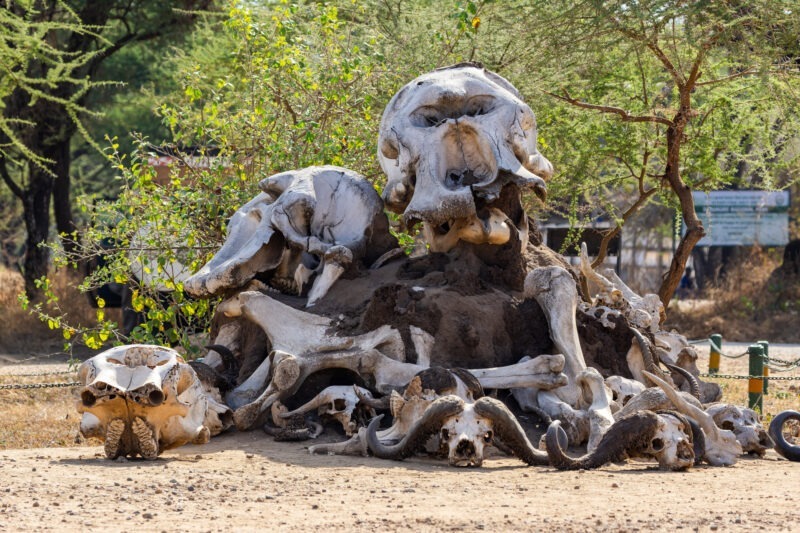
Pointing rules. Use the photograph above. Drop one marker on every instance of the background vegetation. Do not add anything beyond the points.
(638, 103)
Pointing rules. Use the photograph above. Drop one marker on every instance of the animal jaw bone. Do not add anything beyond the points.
(449, 142)
(321, 217)
(722, 448)
(143, 400)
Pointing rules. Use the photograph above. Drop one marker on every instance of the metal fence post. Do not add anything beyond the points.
(765, 345)
(716, 348)
(755, 388)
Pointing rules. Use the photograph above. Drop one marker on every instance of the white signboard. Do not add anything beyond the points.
(743, 218)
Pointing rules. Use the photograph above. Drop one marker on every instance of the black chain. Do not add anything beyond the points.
(731, 376)
(19, 386)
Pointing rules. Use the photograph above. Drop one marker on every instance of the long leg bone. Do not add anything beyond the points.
(386, 374)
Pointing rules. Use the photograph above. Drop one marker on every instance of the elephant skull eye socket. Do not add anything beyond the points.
(487, 437)
(445, 434)
(727, 424)
(657, 445)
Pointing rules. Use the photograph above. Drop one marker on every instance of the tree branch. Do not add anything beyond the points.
(659, 53)
(16, 189)
(624, 115)
(745, 72)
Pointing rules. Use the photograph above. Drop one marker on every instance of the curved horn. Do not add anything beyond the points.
(624, 436)
(789, 451)
(698, 441)
(231, 371)
(704, 419)
(694, 385)
(373, 403)
(647, 352)
(430, 422)
(507, 429)
(470, 381)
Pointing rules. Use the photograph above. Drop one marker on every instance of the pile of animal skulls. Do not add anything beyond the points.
(458, 146)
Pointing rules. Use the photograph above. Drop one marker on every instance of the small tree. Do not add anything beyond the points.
(677, 95)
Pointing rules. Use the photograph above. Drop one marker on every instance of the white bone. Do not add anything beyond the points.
(599, 411)
(312, 211)
(722, 448)
(449, 137)
(623, 388)
(745, 424)
(423, 345)
(144, 399)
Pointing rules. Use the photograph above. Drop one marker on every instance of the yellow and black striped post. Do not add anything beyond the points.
(755, 387)
(715, 341)
(765, 345)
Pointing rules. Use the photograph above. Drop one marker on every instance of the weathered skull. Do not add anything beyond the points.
(340, 402)
(142, 400)
(745, 424)
(314, 220)
(464, 436)
(623, 389)
(449, 142)
(672, 443)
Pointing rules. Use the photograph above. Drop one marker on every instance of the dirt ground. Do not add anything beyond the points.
(246, 481)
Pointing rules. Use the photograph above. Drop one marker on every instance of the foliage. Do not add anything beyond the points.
(282, 85)
(262, 91)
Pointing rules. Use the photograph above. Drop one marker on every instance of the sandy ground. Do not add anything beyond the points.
(246, 481)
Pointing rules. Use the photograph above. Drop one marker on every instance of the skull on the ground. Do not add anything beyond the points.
(142, 400)
(449, 142)
(745, 424)
(672, 444)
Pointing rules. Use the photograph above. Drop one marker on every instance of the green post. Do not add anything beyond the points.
(765, 345)
(713, 357)
(755, 388)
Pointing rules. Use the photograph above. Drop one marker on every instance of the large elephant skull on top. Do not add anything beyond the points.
(449, 142)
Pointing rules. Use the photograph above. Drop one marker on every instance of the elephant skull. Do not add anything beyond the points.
(450, 142)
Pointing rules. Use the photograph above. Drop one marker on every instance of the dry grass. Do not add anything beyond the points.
(39, 418)
(754, 301)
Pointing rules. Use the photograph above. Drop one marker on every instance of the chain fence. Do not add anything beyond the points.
(27, 386)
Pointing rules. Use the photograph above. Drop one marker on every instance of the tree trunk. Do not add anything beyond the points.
(36, 211)
(694, 227)
(62, 205)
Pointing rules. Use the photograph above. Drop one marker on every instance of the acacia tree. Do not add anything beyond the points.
(678, 95)
(51, 53)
